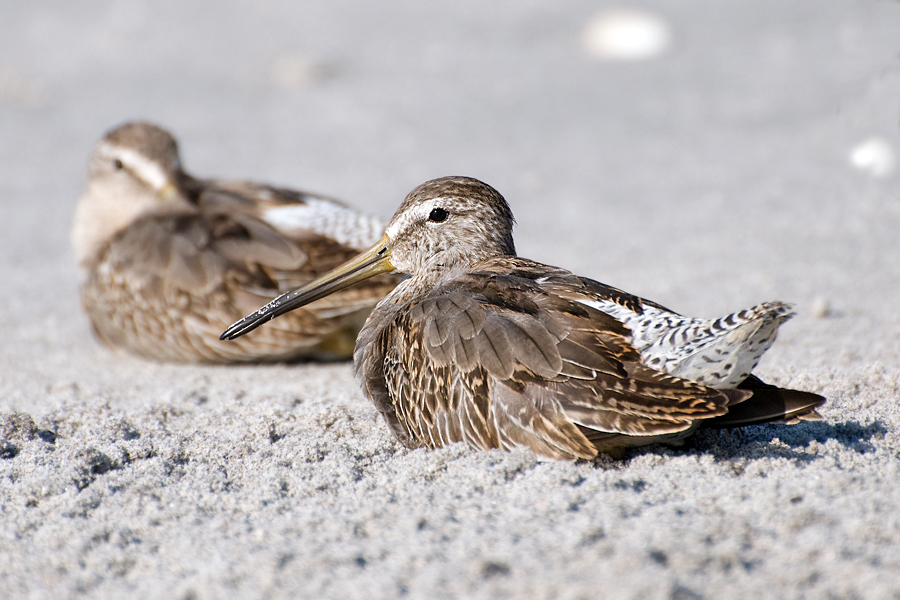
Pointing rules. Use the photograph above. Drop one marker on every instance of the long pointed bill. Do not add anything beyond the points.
(373, 261)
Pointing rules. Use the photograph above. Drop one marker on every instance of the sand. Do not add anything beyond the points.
(749, 161)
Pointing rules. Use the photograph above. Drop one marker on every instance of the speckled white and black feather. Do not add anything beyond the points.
(719, 353)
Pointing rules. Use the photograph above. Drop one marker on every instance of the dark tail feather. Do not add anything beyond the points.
(768, 404)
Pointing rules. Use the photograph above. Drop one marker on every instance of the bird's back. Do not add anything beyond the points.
(165, 287)
(518, 353)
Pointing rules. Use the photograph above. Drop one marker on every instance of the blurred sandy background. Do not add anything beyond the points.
(720, 154)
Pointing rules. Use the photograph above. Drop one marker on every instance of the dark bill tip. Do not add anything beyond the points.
(254, 320)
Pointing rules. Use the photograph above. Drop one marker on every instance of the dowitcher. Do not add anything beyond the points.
(168, 260)
(482, 346)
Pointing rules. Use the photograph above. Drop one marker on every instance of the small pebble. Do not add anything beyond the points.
(289, 71)
(21, 90)
(820, 308)
(873, 156)
(625, 34)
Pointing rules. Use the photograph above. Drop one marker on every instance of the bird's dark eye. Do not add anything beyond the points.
(437, 215)
(117, 165)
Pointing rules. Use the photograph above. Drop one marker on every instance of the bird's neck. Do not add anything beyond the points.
(104, 211)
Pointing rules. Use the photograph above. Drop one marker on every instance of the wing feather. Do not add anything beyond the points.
(497, 360)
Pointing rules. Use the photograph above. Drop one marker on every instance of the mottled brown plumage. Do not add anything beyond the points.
(481, 346)
(168, 260)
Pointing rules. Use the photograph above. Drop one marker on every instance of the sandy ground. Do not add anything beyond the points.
(715, 176)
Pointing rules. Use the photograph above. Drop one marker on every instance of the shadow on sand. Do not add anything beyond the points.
(777, 441)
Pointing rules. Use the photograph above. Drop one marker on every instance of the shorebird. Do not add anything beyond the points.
(168, 260)
(481, 346)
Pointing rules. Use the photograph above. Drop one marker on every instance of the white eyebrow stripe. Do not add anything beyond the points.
(418, 213)
(144, 168)
(342, 224)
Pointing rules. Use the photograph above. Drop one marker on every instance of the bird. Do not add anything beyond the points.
(479, 345)
(168, 260)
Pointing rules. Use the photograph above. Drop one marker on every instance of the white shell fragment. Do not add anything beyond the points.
(625, 34)
(874, 156)
(820, 308)
(289, 71)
